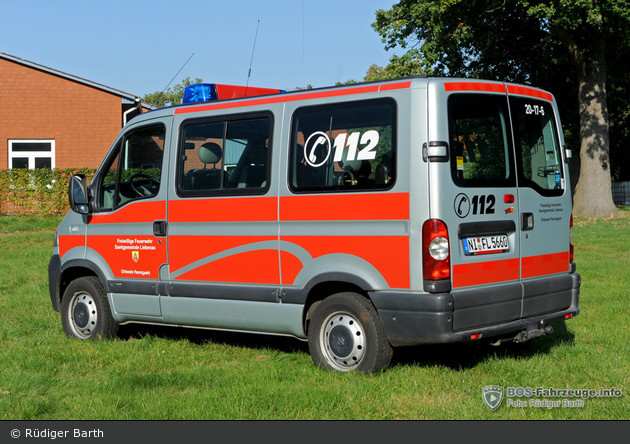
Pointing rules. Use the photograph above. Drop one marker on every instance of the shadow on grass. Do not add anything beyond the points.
(463, 356)
(460, 356)
(202, 336)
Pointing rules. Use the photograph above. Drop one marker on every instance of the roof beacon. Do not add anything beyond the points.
(208, 92)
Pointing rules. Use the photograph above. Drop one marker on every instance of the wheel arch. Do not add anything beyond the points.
(73, 270)
(328, 284)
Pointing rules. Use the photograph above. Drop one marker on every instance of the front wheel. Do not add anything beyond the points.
(85, 312)
(346, 334)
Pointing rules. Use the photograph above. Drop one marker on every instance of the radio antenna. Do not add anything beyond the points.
(252, 59)
(303, 47)
(180, 70)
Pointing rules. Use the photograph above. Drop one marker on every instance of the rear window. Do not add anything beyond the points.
(537, 146)
(480, 142)
(343, 147)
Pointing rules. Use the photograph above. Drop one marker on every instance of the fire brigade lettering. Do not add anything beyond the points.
(137, 256)
(135, 272)
(550, 207)
(134, 244)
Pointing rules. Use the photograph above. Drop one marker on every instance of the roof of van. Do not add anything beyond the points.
(289, 96)
(458, 84)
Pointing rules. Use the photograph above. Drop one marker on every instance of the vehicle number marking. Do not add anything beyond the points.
(537, 110)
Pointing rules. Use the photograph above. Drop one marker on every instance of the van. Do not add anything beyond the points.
(357, 218)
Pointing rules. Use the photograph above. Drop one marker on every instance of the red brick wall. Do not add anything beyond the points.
(83, 121)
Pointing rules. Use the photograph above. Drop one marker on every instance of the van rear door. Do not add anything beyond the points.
(473, 190)
(544, 200)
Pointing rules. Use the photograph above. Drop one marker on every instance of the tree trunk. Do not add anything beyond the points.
(593, 193)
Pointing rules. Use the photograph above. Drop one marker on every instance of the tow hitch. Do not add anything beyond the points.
(532, 331)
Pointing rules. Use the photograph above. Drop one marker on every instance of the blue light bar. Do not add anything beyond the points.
(207, 92)
(201, 92)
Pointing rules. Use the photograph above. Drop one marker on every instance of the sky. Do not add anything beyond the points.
(139, 46)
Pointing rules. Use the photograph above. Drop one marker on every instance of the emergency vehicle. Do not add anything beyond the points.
(359, 218)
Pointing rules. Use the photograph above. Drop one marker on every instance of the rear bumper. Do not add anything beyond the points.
(424, 318)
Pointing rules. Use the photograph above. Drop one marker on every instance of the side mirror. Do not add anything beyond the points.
(78, 194)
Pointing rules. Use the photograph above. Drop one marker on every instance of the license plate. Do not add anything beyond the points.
(486, 244)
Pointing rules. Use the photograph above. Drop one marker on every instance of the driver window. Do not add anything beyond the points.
(135, 168)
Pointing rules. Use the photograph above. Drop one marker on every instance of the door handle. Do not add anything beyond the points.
(159, 228)
(435, 151)
(527, 221)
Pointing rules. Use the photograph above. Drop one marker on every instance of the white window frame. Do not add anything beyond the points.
(31, 155)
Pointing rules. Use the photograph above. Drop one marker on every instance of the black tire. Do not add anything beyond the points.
(85, 311)
(346, 334)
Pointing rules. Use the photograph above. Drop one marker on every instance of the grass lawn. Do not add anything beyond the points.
(170, 373)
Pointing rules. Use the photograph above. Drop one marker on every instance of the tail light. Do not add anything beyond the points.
(571, 239)
(435, 251)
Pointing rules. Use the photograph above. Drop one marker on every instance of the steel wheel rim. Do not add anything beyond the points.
(342, 341)
(83, 314)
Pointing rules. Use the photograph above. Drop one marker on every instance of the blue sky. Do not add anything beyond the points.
(138, 46)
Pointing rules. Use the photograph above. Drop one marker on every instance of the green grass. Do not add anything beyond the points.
(170, 373)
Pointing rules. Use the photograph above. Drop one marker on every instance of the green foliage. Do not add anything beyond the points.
(171, 96)
(399, 66)
(126, 174)
(39, 192)
(347, 82)
(478, 39)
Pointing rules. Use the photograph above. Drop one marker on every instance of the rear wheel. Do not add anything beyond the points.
(346, 334)
(85, 312)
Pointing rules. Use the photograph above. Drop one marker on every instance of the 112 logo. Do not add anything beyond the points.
(318, 147)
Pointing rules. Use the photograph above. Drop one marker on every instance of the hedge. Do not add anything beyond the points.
(39, 192)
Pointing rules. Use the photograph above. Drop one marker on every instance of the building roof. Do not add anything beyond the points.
(127, 98)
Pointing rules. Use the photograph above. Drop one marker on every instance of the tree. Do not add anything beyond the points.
(407, 65)
(170, 96)
(559, 45)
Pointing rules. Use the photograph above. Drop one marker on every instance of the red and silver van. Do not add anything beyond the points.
(359, 218)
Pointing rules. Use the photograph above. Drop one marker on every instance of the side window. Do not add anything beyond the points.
(537, 145)
(135, 170)
(343, 147)
(229, 156)
(480, 142)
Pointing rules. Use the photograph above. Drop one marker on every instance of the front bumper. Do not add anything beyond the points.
(54, 271)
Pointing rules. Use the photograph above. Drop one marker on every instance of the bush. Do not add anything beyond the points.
(39, 192)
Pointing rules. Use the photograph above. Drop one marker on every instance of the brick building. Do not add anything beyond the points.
(50, 119)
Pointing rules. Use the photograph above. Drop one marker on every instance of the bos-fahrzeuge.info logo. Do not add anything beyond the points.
(493, 395)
